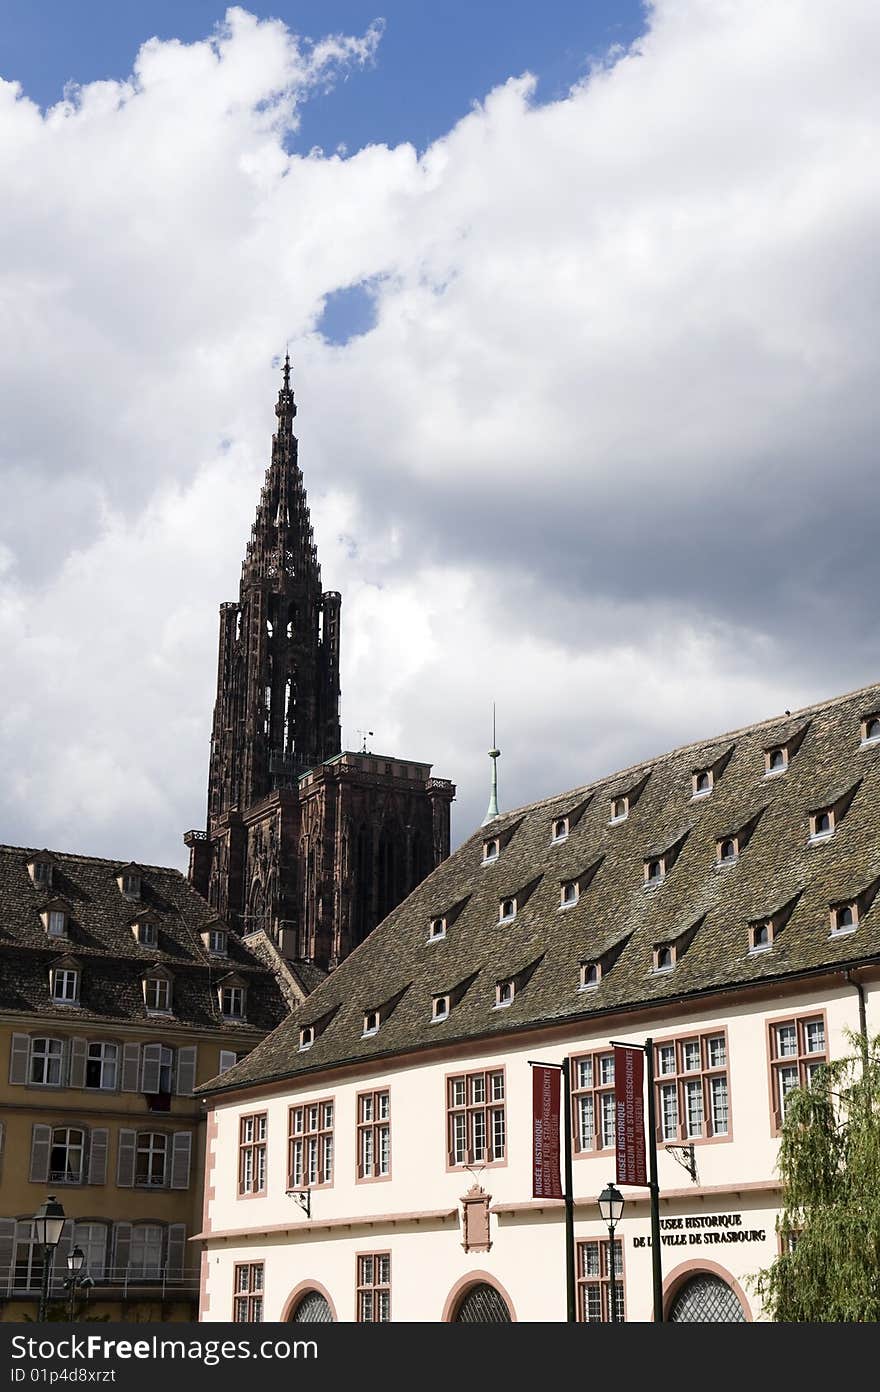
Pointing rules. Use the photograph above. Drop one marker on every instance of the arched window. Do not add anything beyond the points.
(482, 1304)
(312, 1308)
(706, 1299)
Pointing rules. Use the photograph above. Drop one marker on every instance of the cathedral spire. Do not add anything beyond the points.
(285, 408)
(494, 754)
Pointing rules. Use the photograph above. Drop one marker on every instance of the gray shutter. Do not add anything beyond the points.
(97, 1171)
(121, 1249)
(186, 1070)
(18, 1058)
(65, 1062)
(2, 1137)
(181, 1147)
(41, 1144)
(176, 1250)
(228, 1059)
(151, 1067)
(78, 1063)
(131, 1061)
(7, 1254)
(126, 1145)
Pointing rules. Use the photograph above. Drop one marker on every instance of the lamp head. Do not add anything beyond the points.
(611, 1204)
(75, 1261)
(49, 1222)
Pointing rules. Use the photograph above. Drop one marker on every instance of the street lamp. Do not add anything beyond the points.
(48, 1226)
(611, 1203)
(75, 1261)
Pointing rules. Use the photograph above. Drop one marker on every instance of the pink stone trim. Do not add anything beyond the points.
(474, 1278)
(676, 1279)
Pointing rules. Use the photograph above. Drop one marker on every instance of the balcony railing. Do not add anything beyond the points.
(125, 1282)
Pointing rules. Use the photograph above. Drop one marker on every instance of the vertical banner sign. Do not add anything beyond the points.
(546, 1084)
(629, 1107)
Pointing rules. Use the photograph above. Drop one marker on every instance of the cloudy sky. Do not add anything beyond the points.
(583, 309)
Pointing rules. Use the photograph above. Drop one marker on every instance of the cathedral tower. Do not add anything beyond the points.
(305, 845)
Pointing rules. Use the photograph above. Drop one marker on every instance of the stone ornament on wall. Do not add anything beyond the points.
(475, 1219)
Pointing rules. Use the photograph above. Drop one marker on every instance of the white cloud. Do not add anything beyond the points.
(606, 458)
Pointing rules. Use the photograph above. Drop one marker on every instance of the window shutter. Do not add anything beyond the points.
(78, 1063)
(176, 1250)
(121, 1246)
(59, 1265)
(181, 1146)
(186, 1070)
(228, 1057)
(2, 1137)
(125, 1152)
(65, 1061)
(151, 1067)
(98, 1156)
(41, 1143)
(18, 1058)
(131, 1059)
(7, 1253)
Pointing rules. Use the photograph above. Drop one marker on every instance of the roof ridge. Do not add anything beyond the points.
(95, 860)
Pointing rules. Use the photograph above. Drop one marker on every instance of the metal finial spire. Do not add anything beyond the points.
(285, 408)
(494, 755)
(287, 370)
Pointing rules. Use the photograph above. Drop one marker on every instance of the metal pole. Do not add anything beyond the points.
(70, 1311)
(44, 1284)
(571, 1307)
(613, 1312)
(654, 1185)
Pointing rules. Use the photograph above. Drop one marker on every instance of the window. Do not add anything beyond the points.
(46, 1059)
(217, 941)
(504, 993)
(619, 809)
(374, 1288)
(146, 932)
(371, 1023)
(727, 850)
(57, 925)
(306, 1037)
(560, 830)
(797, 1052)
(775, 760)
(436, 929)
(157, 994)
(101, 1060)
(374, 1135)
(151, 1159)
(702, 783)
(65, 986)
(655, 870)
(252, 1154)
(247, 1305)
(594, 1282)
(130, 884)
(870, 729)
(761, 936)
(91, 1238)
(229, 1058)
(145, 1251)
(691, 1088)
(66, 1155)
(232, 1002)
(506, 910)
(310, 1145)
(822, 824)
(569, 894)
(439, 1008)
(490, 851)
(844, 918)
(593, 1102)
(41, 873)
(475, 1118)
(591, 975)
(664, 957)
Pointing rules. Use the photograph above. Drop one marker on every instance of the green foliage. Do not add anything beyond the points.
(829, 1164)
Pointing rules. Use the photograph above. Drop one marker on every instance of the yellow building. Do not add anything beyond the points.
(120, 992)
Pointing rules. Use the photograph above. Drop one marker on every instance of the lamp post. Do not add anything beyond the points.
(611, 1203)
(75, 1261)
(48, 1226)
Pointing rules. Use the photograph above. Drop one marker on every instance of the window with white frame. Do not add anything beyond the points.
(146, 932)
(374, 1134)
(232, 1002)
(310, 1145)
(491, 849)
(761, 935)
(101, 1064)
(619, 809)
(66, 1155)
(306, 1037)
(504, 992)
(655, 870)
(775, 760)
(702, 783)
(157, 994)
(252, 1153)
(46, 1061)
(798, 1051)
(664, 957)
(439, 1008)
(65, 985)
(57, 924)
(41, 873)
(870, 729)
(151, 1159)
(560, 830)
(476, 1118)
(727, 850)
(593, 1106)
(371, 1023)
(822, 824)
(591, 975)
(691, 1087)
(844, 918)
(569, 894)
(145, 1257)
(247, 1305)
(374, 1288)
(92, 1240)
(507, 910)
(437, 929)
(217, 941)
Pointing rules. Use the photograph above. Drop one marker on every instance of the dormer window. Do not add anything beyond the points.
(439, 1008)
(560, 830)
(871, 729)
(64, 984)
(371, 1023)
(727, 850)
(844, 918)
(145, 932)
(437, 929)
(157, 994)
(569, 894)
(664, 957)
(57, 926)
(655, 870)
(822, 824)
(761, 936)
(702, 783)
(40, 871)
(306, 1037)
(591, 975)
(775, 760)
(129, 881)
(490, 850)
(619, 809)
(506, 910)
(216, 941)
(504, 993)
(232, 1002)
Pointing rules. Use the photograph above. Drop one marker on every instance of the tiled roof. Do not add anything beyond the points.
(101, 939)
(616, 912)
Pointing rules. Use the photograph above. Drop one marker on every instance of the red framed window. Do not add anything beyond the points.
(691, 1085)
(252, 1134)
(374, 1135)
(594, 1282)
(310, 1145)
(476, 1121)
(593, 1102)
(798, 1049)
(247, 1304)
(374, 1288)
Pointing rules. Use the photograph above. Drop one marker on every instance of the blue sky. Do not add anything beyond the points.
(436, 56)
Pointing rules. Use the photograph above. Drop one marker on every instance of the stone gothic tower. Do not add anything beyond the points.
(305, 846)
